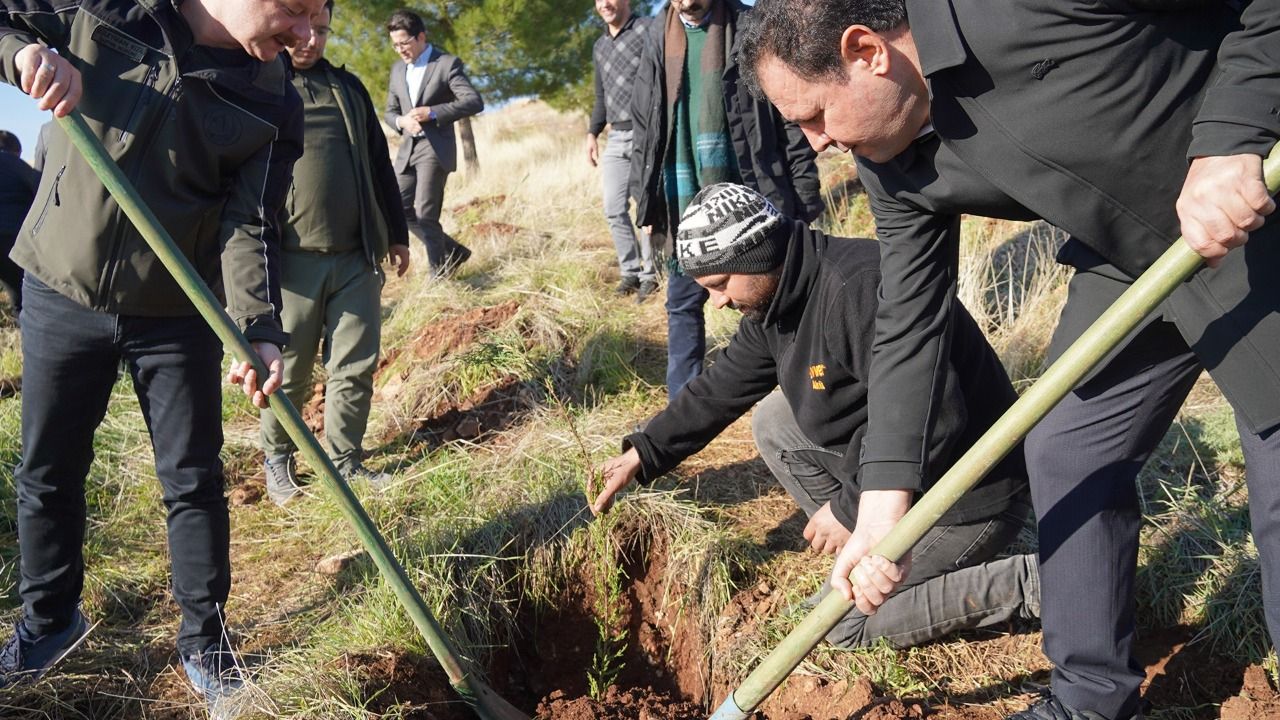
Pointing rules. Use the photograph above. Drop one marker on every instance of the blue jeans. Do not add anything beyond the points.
(70, 359)
(686, 331)
(635, 255)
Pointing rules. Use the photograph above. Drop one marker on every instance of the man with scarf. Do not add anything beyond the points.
(694, 125)
(343, 218)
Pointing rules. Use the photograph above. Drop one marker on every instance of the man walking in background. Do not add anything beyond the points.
(695, 125)
(18, 183)
(429, 92)
(616, 57)
(343, 218)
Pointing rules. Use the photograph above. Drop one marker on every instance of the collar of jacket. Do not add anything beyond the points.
(799, 269)
(231, 68)
(936, 34)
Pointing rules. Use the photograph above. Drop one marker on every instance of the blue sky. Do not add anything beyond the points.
(19, 116)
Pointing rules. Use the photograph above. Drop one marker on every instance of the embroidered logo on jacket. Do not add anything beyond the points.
(816, 373)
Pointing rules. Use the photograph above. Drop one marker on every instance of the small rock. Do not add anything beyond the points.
(242, 495)
(335, 564)
(763, 588)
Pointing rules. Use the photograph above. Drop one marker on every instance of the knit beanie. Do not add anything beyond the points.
(730, 228)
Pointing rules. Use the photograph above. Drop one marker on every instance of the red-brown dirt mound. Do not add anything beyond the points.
(646, 704)
(447, 335)
(1257, 699)
(416, 686)
(488, 411)
(480, 203)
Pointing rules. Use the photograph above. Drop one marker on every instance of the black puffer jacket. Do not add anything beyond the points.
(773, 155)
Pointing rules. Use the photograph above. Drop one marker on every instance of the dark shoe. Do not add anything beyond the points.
(457, 255)
(27, 657)
(282, 479)
(647, 288)
(1049, 707)
(627, 285)
(363, 475)
(216, 677)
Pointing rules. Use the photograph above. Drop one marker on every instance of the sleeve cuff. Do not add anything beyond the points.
(650, 467)
(892, 475)
(265, 331)
(1212, 138)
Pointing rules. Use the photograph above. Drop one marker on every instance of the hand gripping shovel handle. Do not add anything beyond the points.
(481, 698)
(1161, 279)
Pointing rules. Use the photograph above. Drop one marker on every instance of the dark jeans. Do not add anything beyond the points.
(686, 331)
(1084, 459)
(954, 583)
(422, 195)
(70, 359)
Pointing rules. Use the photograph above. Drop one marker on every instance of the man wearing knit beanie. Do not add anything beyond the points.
(809, 304)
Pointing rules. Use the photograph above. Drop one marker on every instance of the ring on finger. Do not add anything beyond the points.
(46, 67)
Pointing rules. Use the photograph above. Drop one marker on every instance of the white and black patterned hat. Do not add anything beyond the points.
(730, 229)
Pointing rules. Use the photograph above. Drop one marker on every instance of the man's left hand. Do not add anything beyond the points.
(399, 257)
(242, 373)
(825, 533)
(1223, 199)
(421, 114)
(866, 579)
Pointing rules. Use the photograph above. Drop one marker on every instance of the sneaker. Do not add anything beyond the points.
(27, 657)
(647, 288)
(627, 285)
(282, 479)
(363, 475)
(216, 677)
(1049, 707)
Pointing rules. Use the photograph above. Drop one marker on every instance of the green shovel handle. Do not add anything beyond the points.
(1130, 309)
(481, 698)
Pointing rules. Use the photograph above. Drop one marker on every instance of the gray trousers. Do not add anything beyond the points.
(954, 584)
(332, 304)
(1084, 459)
(422, 195)
(635, 255)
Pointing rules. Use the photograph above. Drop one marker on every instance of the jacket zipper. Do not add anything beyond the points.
(148, 85)
(55, 198)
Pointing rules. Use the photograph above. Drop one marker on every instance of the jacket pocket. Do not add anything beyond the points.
(52, 199)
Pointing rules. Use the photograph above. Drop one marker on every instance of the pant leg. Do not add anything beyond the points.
(175, 365)
(951, 586)
(1083, 460)
(353, 323)
(10, 273)
(686, 331)
(1262, 465)
(69, 363)
(302, 286)
(635, 257)
(422, 187)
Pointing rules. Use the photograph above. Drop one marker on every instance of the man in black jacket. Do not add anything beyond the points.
(693, 125)
(1084, 114)
(343, 219)
(809, 304)
(193, 102)
(18, 182)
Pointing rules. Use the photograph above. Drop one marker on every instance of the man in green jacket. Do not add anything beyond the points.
(194, 104)
(343, 217)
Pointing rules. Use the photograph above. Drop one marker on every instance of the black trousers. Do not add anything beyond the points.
(422, 195)
(1084, 459)
(70, 359)
(10, 273)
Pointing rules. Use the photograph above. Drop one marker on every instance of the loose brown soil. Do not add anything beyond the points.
(482, 203)
(490, 410)
(447, 335)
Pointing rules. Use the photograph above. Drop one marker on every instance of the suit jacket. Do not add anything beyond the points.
(1081, 113)
(447, 91)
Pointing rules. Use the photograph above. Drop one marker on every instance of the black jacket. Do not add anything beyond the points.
(1081, 113)
(208, 136)
(773, 155)
(815, 342)
(18, 182)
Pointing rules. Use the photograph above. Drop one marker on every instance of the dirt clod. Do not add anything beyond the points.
(335, 564)
(641, 704)
(248, 494)
(1257, 699)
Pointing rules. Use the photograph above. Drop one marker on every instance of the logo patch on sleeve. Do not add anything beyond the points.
(816, 373)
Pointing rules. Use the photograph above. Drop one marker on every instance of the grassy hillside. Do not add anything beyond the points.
(498, 391)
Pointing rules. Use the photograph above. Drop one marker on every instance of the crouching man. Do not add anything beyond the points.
(809, 306)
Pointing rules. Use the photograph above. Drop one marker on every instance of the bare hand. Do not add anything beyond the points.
(409, 125)
(874, 578)
(49, 78)
(399, 257)
(593, 150)
(616, 473)
(242, 373)
(825, 533)
(421, 114)
(1223, 199)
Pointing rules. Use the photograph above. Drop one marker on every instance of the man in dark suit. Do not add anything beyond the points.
(1084, 114)
(429, 92)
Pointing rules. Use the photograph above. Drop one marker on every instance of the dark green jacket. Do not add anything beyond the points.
(208, 136)
(375, 190)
